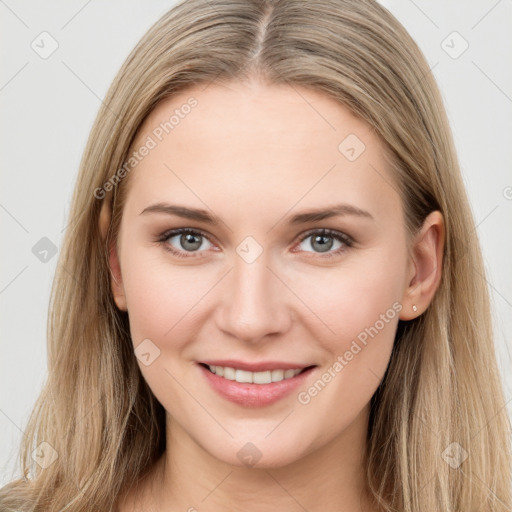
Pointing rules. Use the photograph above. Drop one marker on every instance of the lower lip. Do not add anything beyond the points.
(254, 395)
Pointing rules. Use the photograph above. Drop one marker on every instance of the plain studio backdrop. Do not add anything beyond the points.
(58, 59)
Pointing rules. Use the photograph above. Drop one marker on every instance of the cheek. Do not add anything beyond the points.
(356, 295)
(163, 304)
(359, 311)
(161, 298)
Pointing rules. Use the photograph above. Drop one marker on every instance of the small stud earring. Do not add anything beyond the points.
(414, 308)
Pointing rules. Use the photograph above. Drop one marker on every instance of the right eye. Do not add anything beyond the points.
(184, 240)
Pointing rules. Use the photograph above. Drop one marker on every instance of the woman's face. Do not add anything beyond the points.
(254, 282)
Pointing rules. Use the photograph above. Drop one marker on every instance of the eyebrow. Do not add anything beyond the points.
(311, 215)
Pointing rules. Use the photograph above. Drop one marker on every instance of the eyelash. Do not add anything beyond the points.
(337, 235)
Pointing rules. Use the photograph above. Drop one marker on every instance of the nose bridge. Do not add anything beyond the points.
(252, 304)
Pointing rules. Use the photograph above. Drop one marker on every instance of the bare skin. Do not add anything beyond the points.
(254, 155)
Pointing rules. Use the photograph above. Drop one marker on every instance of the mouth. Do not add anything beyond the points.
(260, 377)
(255, 388)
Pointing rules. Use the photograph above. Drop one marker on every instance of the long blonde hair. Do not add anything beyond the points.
(441, 398)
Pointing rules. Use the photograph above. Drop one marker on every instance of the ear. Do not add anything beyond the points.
(426, 266)
(116, 281)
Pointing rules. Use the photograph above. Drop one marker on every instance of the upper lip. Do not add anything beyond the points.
(256, 367)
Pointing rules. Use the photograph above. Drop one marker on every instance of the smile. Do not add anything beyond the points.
(265, 377)
(254, 388)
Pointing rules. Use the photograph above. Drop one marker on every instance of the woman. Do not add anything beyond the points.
(267, 296)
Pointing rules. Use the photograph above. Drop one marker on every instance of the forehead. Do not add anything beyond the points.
(292, 113)
(236, 140)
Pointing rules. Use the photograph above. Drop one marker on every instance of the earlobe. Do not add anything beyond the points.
(116, 282)
(427, 264)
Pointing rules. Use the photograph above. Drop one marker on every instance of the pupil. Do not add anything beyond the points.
(324, 246)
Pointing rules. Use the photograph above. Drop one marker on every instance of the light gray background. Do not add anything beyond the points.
(47, 107)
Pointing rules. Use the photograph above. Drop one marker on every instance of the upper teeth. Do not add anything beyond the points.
(253, 377)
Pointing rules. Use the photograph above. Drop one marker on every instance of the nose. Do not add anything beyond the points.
(253, 302)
